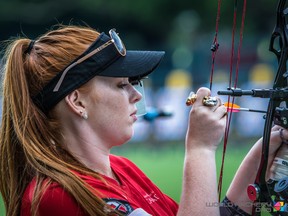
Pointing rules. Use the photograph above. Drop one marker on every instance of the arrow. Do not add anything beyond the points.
(236, 108)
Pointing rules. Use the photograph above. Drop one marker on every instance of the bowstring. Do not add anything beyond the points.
(215, 42)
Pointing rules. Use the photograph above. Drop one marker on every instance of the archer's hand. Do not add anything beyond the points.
(205, 130)
(278, 146)
(206, 123)
(277, 139)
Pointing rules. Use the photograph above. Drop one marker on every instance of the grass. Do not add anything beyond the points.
(164, 164)
(2, 209)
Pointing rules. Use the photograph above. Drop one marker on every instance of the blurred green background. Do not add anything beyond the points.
(185, 30)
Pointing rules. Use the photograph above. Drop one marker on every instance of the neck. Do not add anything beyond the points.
(90, 151)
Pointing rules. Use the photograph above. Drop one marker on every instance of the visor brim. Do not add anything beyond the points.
(136, 64)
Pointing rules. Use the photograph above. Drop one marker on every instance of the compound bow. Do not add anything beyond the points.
(262, 192)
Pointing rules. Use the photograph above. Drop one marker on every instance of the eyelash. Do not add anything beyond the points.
(133, 83)
(123, 85)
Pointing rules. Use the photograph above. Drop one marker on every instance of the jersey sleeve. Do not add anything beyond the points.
(55, 201)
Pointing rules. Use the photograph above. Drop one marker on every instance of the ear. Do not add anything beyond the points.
(75, 102)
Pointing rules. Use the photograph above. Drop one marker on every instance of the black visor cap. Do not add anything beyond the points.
(107, 62)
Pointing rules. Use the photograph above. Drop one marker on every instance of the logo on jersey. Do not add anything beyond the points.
(121, 206)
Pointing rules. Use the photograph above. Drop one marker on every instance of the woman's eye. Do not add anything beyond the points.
(123, 85)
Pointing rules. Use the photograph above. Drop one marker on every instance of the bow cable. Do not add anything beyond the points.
(215, 43)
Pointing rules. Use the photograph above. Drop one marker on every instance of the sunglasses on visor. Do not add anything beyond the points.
(115, 40)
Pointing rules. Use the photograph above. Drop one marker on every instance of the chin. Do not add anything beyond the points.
(128, 138)
(128, 135)
(125, 139)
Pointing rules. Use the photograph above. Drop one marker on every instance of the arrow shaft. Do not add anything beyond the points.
(245, 110)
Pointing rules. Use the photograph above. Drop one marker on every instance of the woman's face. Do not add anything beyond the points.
(111, 108)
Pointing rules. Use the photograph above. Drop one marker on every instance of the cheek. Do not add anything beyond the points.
(114, 104)
(116, 128)
(113, 113)
(110, 109)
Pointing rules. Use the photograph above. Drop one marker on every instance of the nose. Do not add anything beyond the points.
(136, 95)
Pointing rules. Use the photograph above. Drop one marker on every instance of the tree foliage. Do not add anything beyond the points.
(153, 19)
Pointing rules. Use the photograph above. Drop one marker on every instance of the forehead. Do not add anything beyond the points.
(110, 79)
(105, 81)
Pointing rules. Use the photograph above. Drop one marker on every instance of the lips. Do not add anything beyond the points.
(133, 115)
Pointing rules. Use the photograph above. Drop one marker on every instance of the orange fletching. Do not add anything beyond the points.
(231, 105)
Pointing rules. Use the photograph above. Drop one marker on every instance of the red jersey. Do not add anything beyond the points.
(135, 193)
